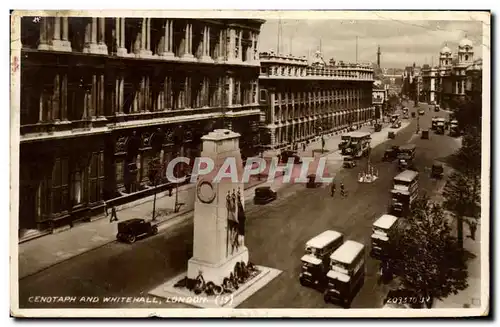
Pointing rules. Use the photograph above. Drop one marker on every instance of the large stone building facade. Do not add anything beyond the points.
(302, 101)
(102, 98)
(446, 83)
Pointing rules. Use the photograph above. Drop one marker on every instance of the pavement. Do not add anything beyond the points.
(471, 296)
(40, 253)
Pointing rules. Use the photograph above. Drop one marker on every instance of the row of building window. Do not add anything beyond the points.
(71, 97)
(300, 71)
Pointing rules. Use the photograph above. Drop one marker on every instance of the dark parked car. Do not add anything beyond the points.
(421, 112)
(285, 155)
(130, 230)
(378, 127)
(413, 114)
(391, 135)
(264, 194)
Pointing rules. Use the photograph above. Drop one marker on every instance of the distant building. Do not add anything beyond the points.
(301, 101)
(412, 82)
(379, 98)
(446, 84)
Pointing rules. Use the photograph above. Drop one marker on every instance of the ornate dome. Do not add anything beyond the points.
(465, 43)
(445, 49)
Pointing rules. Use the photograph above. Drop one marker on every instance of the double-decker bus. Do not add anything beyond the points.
(404, 192)
(360, 144)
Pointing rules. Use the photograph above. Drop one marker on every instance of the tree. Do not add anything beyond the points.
(154, 175)
(468, 113)
(462, 190)
(425, 255)
(461, 200)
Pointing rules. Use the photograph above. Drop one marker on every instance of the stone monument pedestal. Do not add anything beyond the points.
(216, 272)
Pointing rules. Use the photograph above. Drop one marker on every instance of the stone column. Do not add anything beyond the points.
(222, 42)
(230, 44)
(167, 93)
(167, 45)
(56, 98)
(230, 90)
(145, 34)
(120, 37)
(59, 38)
(92, 98)
(91, 45)
(148, 35)
(64, 97)
(102, 36)
(240, 48)
(102, 85)
(44, 38)
(187, 94)
(188, 43)
(206, 45)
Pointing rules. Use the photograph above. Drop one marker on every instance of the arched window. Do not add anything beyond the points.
(466, 57)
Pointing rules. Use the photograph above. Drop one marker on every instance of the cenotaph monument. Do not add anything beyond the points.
(220, 267)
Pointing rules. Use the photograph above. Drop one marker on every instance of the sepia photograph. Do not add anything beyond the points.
(250, 163)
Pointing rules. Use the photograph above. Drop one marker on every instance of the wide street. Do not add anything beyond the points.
(276, 235)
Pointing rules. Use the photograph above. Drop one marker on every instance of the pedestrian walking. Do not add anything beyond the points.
(332, 189)
(342, 189)
(472, 228)
(113, 217)
(303, 147)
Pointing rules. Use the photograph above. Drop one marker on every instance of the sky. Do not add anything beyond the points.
(402, 42)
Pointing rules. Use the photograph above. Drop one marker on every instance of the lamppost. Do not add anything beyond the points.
(418, 125)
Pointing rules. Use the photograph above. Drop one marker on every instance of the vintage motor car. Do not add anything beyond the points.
(316, 260)
(264, 194)
(413, 115)
(377, 127)
(346, 275)
(391, 153)
(285, 155)
(131, 229)
(311, 181)
(405, 162)
(421, 112)
(396, 124)
(437, 170)
(383, 228)
(349, 162)
(436, 108)
(391, 135)
(425, 134)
